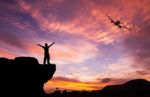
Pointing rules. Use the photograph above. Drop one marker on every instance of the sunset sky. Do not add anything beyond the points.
(90, 52)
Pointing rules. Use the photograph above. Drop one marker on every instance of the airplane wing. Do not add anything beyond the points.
(126, 28)
(109, 17)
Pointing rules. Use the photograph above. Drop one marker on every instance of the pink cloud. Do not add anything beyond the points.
(9, 54)
(89, 24)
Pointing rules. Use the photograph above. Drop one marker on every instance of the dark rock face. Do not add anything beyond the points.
(24, 76)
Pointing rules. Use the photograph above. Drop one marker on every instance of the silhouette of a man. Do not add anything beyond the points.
(46, 52)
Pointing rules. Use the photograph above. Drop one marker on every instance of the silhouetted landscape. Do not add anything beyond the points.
(24, 76)
(133, 88)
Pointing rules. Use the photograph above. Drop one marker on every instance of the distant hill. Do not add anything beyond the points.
(24, 77)
(133, 87)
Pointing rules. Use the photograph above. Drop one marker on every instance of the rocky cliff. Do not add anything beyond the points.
(24, 76)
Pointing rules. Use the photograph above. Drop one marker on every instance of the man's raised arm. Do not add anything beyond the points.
(40, 45)
(51, 44)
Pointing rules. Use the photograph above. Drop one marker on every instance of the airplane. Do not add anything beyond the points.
(117, 23)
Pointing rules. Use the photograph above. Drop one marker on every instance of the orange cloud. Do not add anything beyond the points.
(72, 84)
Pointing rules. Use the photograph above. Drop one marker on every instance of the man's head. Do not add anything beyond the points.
(46, 45)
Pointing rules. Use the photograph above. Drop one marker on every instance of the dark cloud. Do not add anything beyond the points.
(105, 80)
(142, 72)
(113, 80)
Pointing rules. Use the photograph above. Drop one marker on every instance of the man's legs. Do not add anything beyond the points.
(44, 60)
(48, 59)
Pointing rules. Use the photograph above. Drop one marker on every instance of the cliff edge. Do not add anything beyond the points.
(24, 76)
